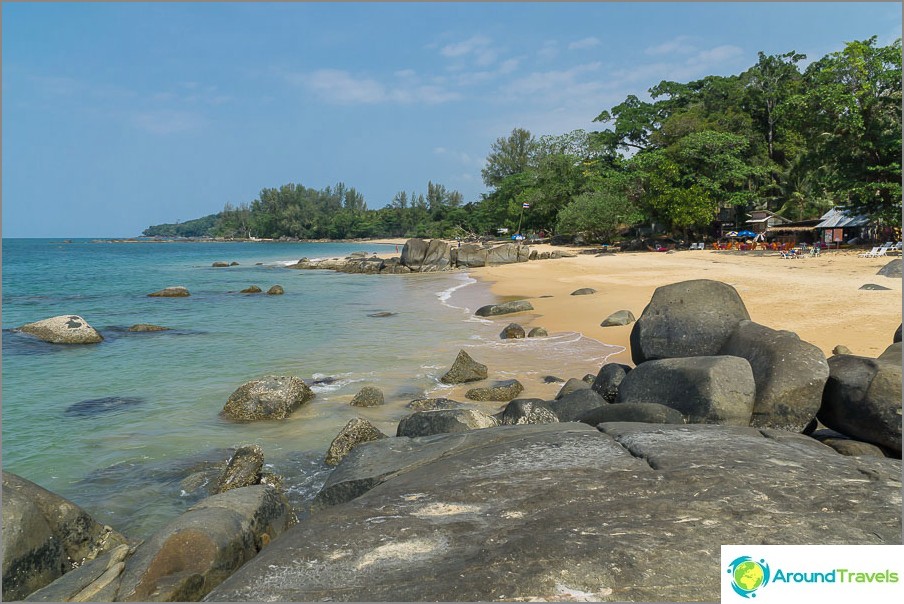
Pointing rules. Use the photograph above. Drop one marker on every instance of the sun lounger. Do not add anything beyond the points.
(869, 254)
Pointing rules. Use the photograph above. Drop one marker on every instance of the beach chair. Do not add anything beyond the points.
(882, 251)
(869, 254)
(789, 254)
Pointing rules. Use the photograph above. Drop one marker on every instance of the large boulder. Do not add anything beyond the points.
(45, 536)
(892, 269)
(174, 291)
(512, 331)
(271, 397)
(575, 404)
(470, 255)
(790, 374)
(608, 379)
(93, 581)
(687, 319)
(413, 253)
(649, 413)
(464, 369)
(506, 308)
(442, 421)
(559, 512)
(421, 256)
(243, 469)
(618, 318)
(64, 329)
(862, 399)
(706, 390)
(354, 433)
(194, 553)
(507, 253)
(527, 411)
(572, 385)
(431, 404)
(368, 396)
(504, 390)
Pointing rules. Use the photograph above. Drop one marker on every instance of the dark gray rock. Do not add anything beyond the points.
(175, 291)
(512, 331)
(706, 390)
(507, 253)
(897, 336)
(862, 400)
(873, 286)
(572, 385)
(892, 354)
(93, 581)
(368, 396)
(841, 349)
(649, 413)
(106, 404)
(442, 421)
(551, 379)
(575, 404)
(584, 291)
(220, 264)
(607, 380)
(233, 263)
(64, 329)
(413, 253)
(589, 378)
(276, 290)
(537, 332)
(508, 510)
(271, 397)
(464, 369)
(686, 319)
(527, 411)
(144, 327)
(790, 374)
(504, 390)
(355, 432)
(470, 255)
(432, 404)
(892, 269)
(618, 318)
(45, 536)
(493, 310)
(194, 553)
(438, 256)
(382, 314)
(846, 445)
(253, 289)
(243, 469)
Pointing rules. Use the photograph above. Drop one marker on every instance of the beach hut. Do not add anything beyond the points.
(792, 233)
(839, 226)
(760, 220)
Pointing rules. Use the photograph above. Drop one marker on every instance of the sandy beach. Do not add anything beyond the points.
(819, 298)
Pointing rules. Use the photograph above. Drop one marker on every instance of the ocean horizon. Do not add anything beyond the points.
(118, 426)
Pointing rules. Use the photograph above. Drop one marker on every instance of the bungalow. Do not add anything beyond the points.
(838, 226)
(761, 220)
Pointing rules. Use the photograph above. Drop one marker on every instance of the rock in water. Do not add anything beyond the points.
(105, 404)
(537, 332)
(464, 369)
(512, 331)
(175, 291)
(251, 290)
(492, 310)
(427, 423)
(276, 290)
(500, 391)
(145, 327)
(355, 432)
(64, 329)
(431, 404)
(369, 396)
(243, 469)
(271, 397)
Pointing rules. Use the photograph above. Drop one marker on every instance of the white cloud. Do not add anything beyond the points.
(339, 86)
(584, 43)
(555, 83)
(465, 47)
(716, 55)
(549, 50)
(164, 122)
(677, 45)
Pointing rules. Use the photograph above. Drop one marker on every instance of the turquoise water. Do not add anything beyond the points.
(125, 463)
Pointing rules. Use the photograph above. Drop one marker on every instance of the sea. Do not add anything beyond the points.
(130, 429)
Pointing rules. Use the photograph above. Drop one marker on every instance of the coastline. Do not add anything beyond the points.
(817, 298)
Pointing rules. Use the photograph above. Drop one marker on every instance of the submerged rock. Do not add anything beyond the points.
(243, 469)
(271, 397)
(145, 327)
(368, 396)
(493, 310)
(276, 290)
(96, 406)
(175, 291)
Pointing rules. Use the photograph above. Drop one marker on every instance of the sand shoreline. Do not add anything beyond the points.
(816, 297)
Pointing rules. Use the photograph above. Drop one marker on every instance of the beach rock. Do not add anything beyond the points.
(706, 390)
(45, 536)
(572, 385)
(649, 413)
(441, 421)
(271, 397)
(505, 390)
(589, 378)
(194, 553)
(438, 256)
(897, 336)
(635, 513)
(470, 255)
(534, 254)
(176, 291)
(64, 329)
(233, 263)
(243, 469)
(686, 319)
(892, 354)
(584, 291)
(846, 445)
(507, 253)
(618, 318)
(220, 264)
(464, 369)
(537, 332)
(493, 310)
(366, 266)
(790, 374)
(608, 379)
(394, 269)
(862, 400)
(413, 253)
(94, 581)
(527, 411)
(841, 349)
(251, 290)
(145, 327)
(543, 256)
(572, 406)
(107, 404)
(892, 269)
(354, 433)
(431, 404)
(551, 379)
(873, 286)
(382, 314)
(512, 331)
(276, 290)
(368, 396)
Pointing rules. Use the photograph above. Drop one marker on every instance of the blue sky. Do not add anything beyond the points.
(117, 116)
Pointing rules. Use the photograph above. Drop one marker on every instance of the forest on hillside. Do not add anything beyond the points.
(779, 137)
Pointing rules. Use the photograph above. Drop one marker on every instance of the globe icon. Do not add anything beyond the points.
(748, 575)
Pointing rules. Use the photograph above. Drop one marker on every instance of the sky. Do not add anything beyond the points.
(117, 116)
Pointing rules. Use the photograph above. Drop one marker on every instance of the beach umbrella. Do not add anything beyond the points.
(746, 234)
(731, 234)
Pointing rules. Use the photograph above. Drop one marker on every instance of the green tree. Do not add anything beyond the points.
(509, 156)
(598, 215)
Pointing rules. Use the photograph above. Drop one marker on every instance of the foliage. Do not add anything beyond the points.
(598, 215)
(199, 227)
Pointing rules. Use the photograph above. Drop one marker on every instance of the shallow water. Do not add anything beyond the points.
(117, 426)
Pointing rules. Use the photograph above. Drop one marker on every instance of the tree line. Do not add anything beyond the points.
(796, 141)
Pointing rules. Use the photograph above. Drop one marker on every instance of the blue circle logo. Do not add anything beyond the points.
(748, 575)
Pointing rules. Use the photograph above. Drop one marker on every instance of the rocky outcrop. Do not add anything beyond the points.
(493, 310)
(575, 404)
(94, 581)
(271, 397)
(276, 290)
(195, 552)
(441, 421)
(897, 336)
(706, 390)
(618, 318)
(354, 433)
(45, 536)
(648, 413)
(470, 255)
(512, 331)
(505, 390)
(507, 253)
(584, 291)
(175, 291)
(635, 513)
(64, 329)
(572, 385)
(790, 374)
(464, 369)
(687, 319)
(252, 289)
(892, 269)
(243, 469)
(608, 379)
(527, 411)
(368, 396)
